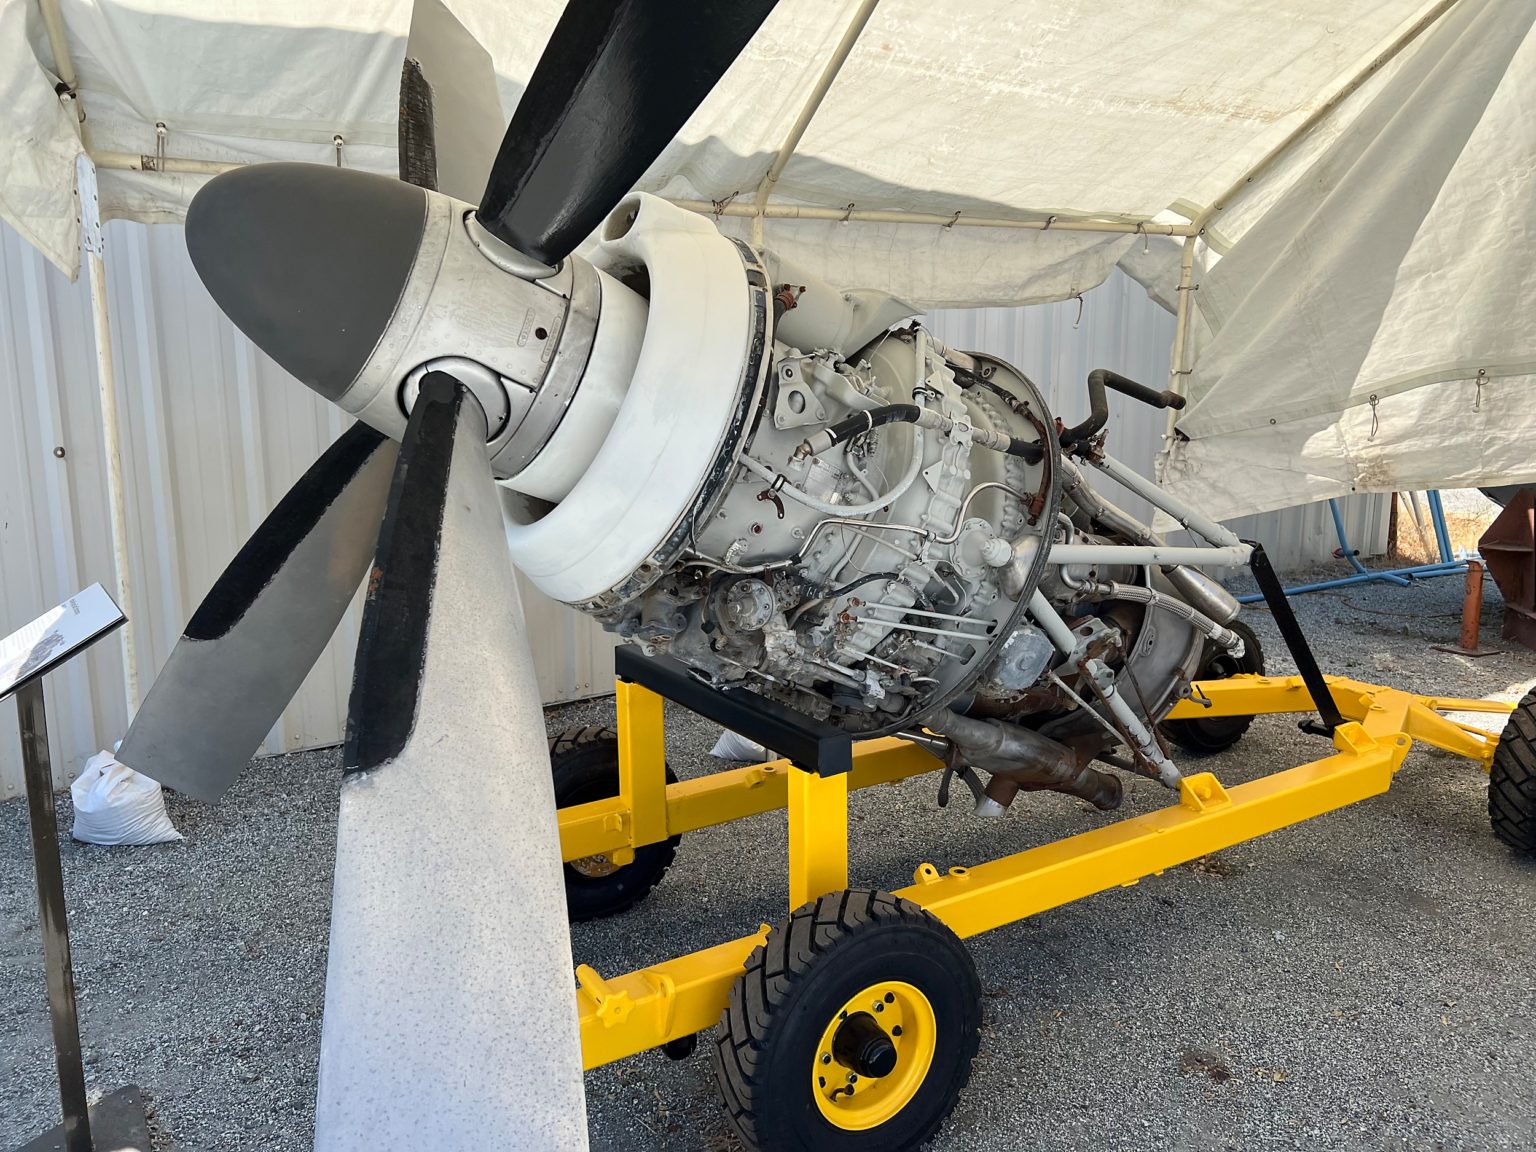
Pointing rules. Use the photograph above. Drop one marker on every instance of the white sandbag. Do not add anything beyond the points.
(116, 805)
(734, 746)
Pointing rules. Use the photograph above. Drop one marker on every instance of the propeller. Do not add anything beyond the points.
(465, 333)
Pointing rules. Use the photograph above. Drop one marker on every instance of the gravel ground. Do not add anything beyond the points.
(1361, 981)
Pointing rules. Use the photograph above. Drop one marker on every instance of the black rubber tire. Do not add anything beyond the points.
(811, 964)
(1207, 737)
(585, 764)
(1512, 780)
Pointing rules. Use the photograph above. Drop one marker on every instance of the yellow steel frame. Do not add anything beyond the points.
(623, 1015)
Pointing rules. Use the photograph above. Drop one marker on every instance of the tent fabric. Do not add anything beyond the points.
(1370, 331)
(1014, 109)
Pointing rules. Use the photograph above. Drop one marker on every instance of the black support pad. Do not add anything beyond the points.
(807, 743)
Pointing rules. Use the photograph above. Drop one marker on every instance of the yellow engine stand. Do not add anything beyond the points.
(623, 1015)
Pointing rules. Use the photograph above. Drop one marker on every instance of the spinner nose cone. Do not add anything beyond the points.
(308, 260)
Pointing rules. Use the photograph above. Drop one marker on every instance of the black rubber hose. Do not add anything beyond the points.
(1098, 404)
(1027, 450)
(871, 418)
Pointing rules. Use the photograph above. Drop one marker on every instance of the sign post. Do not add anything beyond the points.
(25, 657)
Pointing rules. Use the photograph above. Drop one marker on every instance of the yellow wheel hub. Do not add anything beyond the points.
(857, 1101)
(594, 867)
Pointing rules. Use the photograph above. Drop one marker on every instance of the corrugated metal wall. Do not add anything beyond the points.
(214, 434)
(1116, 326)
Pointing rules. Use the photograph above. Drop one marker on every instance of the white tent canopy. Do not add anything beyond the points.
(1351, 181)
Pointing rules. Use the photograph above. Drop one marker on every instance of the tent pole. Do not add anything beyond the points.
(802, 122)
(132, 162)
(893, 216)
(112, 449)
(63, 63)
(92, 241)
(1184, 316)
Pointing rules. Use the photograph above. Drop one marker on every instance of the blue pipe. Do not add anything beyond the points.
(1447, 565)
(1437, 518)
(1418, 572)
(1349, 553)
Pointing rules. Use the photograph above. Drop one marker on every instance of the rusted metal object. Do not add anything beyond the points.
(1471, 616)
(1509, 550)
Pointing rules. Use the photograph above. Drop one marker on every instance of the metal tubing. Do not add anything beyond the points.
(1121, 226)
(1442, 533)
(134, 162)
(1349, 553)
(1191, 518)
(111, 437)
(813, 101)
(1049, 619)
(1418, 572)
(1227, 557)
(33, 724)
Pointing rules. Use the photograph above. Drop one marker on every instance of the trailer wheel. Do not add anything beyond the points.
(1207, 737)
(585, 764)
(852, 1029)
(1512, 780)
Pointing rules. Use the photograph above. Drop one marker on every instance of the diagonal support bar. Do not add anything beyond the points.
(1295, 639)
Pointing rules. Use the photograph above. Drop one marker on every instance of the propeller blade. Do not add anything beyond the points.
(448, 1017)
(450, 109)
(615, 83)
(264, 623)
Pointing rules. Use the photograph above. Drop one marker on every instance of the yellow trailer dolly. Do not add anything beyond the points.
(666, 1004)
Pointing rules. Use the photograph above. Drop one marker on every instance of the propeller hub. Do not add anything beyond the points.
(309, 261)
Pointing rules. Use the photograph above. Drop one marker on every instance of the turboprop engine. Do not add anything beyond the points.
(727, 461)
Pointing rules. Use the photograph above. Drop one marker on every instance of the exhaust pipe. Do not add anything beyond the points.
(1020, 759)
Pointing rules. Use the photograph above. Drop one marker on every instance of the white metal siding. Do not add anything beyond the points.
(214, 433)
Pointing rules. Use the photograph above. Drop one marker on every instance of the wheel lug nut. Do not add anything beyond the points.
(826, 1057)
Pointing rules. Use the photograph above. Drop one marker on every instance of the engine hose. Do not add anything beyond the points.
(1098, 403)
(872, 418)
(780, 483)
(1111, 590)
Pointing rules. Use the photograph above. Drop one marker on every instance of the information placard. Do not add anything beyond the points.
(55, 636)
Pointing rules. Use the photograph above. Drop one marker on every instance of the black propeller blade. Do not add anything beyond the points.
(615, 83)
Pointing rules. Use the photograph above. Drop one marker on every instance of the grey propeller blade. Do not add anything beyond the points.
(449, 1019)
(264, 623)
(450, 110)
